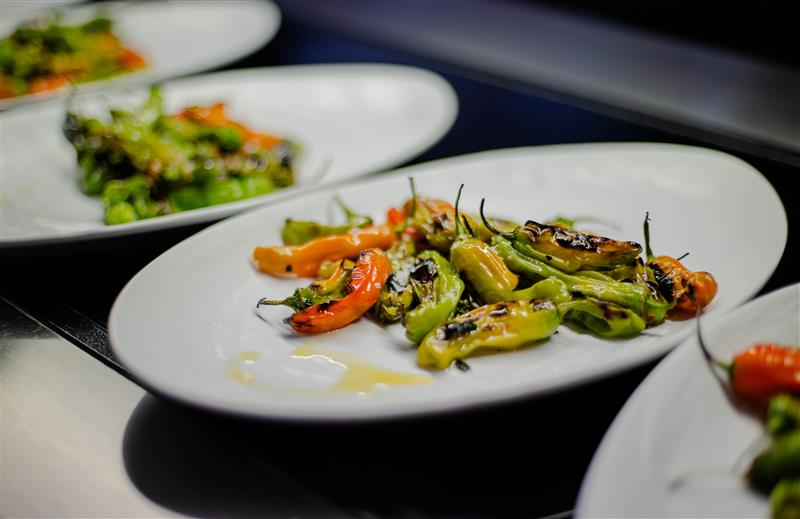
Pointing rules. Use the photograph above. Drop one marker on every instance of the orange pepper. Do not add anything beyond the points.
(369, 275)
(215, 117)
(47, 83)
(693, 291)
(305, 260)
(131, 60)
(764, 371)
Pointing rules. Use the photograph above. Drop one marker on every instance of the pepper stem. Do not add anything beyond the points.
(265, 301)
(347, 211)
(413, 197)
(647, 249)
(492, 228)
(458, 220)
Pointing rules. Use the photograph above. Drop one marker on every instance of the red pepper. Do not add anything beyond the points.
(693, 291)
(369, 275)
(764, 371)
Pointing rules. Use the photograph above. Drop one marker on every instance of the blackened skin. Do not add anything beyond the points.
(425, 272)
(458, 329)
(666, 286)
(573, 239)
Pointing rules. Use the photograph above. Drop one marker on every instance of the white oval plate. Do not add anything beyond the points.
(679, 426)
(176, 38)
(349, 120)
(186, 316)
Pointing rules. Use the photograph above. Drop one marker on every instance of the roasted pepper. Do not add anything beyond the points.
(435, 221)
(329, 289)
(551, 288)
(785, 499)
(369, 274)
(689, 290)
(783, 414)
(480, 264)
(567, 249)
(297, 232)
(780, 461)
(438, 288)
(397, 296)
(602, 318)
(305, 260)
(638, 297)
(499, 326)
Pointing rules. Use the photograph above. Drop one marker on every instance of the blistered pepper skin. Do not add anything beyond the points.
(571, 250)
(499, 326)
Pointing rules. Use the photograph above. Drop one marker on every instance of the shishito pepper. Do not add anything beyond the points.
(783, 414)
(500, 326)
(369, 274)
(435, 221)
(638, 297)
(603, 318)
(486, 272)
(297, 232)
(438, 288)
(691, 291)
(397, 296)
(305, 260)
(321, 291)
(780, 461)
(785, 499)
(567, 249)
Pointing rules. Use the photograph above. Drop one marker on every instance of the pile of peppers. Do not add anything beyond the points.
(145, 163)
(765, 380)
(464, 283)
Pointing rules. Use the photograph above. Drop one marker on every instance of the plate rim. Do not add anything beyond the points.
(642, 392)
(267, 9)
(582, 376)
(438, 132)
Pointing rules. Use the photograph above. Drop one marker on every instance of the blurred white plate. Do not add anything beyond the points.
(679, 425)
(186, 324)
(176, 38)
(349, 120)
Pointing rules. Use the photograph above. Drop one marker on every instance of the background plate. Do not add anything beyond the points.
(349, 120)
(679, 422)
(187, 318)
(176, 38)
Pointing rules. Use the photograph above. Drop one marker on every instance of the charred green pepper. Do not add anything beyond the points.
(783, 414)
(603, 318)
(640, 298)
(500, 326)
(785, 500)
(567, 249)
(781, 461)
(397, 296)
(438, 288)
(321, 291)
(480, 264)
(298, 232)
